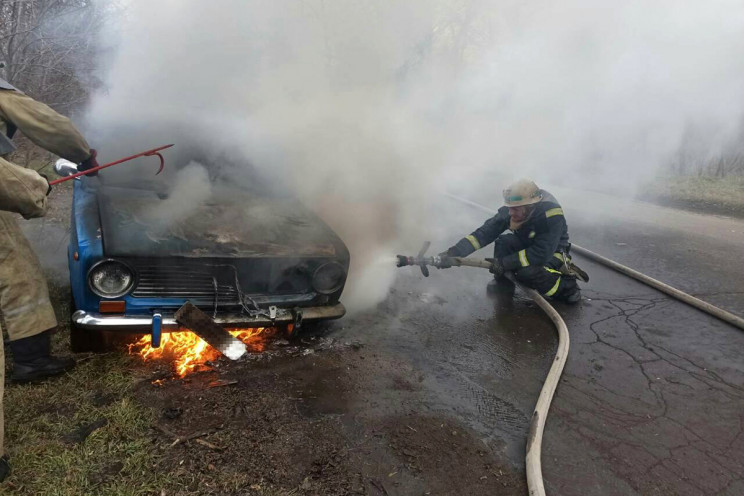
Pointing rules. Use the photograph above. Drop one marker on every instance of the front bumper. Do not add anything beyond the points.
(144, 324)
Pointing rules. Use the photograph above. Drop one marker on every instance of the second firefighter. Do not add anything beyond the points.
(536, 249)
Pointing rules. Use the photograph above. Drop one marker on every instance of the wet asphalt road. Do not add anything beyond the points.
(653, 400)
(652, 396)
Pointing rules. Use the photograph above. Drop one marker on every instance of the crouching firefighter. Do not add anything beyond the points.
(536, 249)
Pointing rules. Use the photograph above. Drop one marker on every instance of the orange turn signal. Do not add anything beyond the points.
(76, 256)
(112, 306)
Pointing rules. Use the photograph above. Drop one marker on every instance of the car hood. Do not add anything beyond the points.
(137, 222)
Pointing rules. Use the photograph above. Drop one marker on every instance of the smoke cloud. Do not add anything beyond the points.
(190, 190)
(367, 110)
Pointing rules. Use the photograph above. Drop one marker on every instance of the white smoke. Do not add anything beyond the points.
(369, 108)
(190, 189)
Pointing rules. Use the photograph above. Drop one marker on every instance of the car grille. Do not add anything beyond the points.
(264, 282)
(158, 281)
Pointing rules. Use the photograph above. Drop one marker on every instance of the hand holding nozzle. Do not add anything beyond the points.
(443, 261)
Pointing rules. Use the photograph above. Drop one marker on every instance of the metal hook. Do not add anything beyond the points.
(162, 161)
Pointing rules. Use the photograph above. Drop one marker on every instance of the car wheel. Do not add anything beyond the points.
(84, 340)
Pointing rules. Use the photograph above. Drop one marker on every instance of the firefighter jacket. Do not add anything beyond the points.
(544, 233)
(22, 190)
(42, 125)
(24, 297)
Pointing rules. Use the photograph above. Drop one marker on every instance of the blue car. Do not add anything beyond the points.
(246, 258)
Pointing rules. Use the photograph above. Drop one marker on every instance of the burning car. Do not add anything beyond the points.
(247, 258)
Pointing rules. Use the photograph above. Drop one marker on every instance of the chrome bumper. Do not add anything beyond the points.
(143, 324)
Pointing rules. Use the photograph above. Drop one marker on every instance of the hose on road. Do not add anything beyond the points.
(533, 463)
(534, 441)
(706, 307)
(540, 414)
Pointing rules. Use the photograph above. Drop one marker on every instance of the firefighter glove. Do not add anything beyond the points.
(497, 269)
(445, 260)
(89, 163)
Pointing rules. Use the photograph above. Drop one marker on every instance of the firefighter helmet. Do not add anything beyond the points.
(522, 192)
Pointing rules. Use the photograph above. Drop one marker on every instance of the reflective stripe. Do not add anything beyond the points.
(473, 241)
(554, 288)
(523, 258)
(553, 212)
(531, 235)
(553, 270)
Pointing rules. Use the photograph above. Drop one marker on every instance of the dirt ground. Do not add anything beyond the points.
(305, 417)
(289, 426)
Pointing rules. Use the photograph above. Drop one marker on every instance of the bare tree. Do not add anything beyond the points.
(698, 155)
(47, 49)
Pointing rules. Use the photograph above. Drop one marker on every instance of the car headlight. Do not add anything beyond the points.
(329, 277)
(110, 279)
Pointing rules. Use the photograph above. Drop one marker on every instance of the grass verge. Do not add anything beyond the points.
(46, 433)
(83, 433)
(724, 196)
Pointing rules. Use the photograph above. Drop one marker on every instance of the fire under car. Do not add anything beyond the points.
(246, 258)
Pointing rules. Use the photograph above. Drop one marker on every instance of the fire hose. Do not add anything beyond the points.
(704, 306)
(537, 424)
(540, 413)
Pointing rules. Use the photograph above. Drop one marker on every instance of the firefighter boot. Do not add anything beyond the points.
(4, 467)
(500, 286)
(571, 293)
(32, 358)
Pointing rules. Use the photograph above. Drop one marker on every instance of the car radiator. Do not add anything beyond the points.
(159, 281)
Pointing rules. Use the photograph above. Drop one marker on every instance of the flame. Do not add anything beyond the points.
(188, 351)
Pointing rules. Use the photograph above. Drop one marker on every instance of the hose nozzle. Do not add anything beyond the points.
(419, 260)
(404, 261)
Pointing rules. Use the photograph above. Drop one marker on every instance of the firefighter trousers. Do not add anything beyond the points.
(25, 309)
(546, 279)
(24, 297)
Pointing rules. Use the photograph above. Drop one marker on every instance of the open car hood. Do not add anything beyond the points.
(136, 222)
